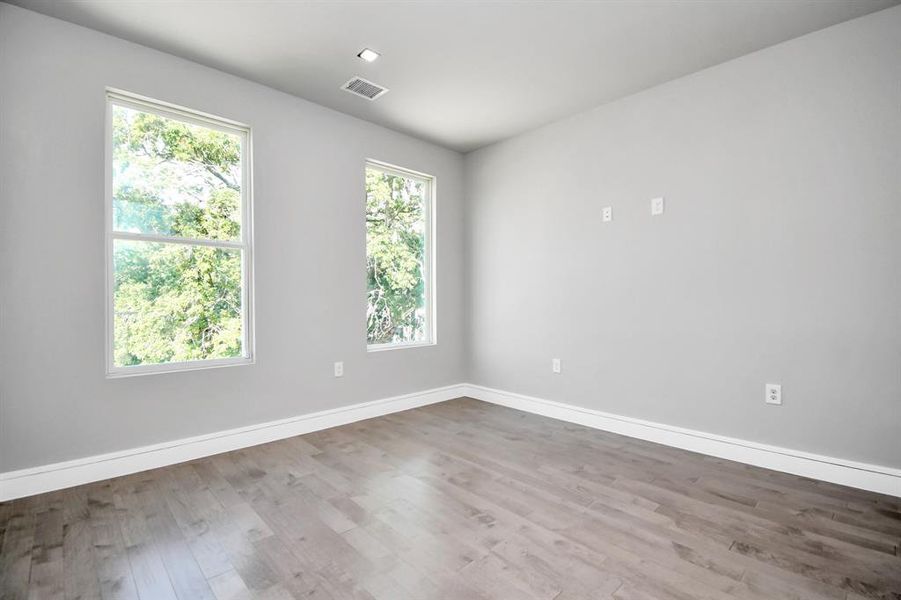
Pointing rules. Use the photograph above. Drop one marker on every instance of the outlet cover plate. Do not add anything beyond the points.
(773, 393)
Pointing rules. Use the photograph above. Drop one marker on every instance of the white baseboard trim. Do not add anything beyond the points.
(27, 482)
(46, 478)
(876, 478)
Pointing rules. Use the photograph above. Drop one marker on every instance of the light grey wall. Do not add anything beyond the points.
(778, 258)
(55, 403)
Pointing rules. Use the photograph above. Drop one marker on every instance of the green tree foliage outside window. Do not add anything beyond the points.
(396, 213)
(175, 302)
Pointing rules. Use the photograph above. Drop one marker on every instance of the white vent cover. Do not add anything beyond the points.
(363, 88)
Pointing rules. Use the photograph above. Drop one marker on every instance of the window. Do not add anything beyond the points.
(179, 239)
(399, 309)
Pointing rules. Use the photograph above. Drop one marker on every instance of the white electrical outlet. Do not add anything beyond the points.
(773, 393)
(555, 365)
(657, 206)
(339, 369)
(607, 214)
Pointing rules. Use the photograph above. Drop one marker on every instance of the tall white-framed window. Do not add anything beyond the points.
(400, 258)
(179, 238)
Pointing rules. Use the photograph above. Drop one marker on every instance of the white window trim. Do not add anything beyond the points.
(172, 111)
(429, 264)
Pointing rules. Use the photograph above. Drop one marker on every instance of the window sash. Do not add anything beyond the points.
(428, 259)
(176, 113)
(244, 245)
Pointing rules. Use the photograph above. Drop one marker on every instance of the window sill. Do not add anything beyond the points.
(407, 346)
(194, 365)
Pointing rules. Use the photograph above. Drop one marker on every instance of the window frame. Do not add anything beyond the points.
(429, 260)
(116, 97)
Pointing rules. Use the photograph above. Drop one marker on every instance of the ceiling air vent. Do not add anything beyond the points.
(363, 88)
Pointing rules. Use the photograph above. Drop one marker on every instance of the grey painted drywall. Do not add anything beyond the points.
(55, 403)
(778, 258)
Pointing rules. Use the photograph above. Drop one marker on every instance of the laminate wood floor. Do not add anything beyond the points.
(459, 500)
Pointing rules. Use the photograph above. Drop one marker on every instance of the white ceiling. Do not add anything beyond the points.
(462, 74)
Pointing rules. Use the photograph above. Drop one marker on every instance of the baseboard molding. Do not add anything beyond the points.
(876, 478)
(46, 478)
(27, 482)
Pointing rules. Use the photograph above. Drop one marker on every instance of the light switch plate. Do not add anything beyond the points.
(657, 206)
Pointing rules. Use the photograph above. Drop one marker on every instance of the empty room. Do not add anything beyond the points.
(450, 300)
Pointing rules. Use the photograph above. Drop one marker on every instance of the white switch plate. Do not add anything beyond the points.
(555, 365)
(339, 369)
(607, 214)
(773, 393)
(657, 206)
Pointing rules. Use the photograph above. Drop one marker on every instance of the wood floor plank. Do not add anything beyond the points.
(110, 558)
(460, 500)
(148, 569)
(16, 550)
(47, 577)
(80, 567)
(197, 512)
(185, 574)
